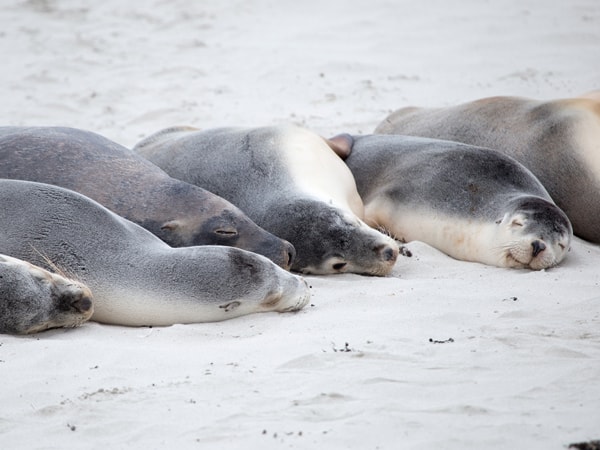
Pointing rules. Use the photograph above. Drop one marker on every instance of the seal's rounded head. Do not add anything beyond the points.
(330, 240)
(229, 226)
(33, 299)
(536, 233)
(283, 291)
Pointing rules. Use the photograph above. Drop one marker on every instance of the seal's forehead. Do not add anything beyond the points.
(347, 218)
(9, 260)
(19, 265)
(542, 215)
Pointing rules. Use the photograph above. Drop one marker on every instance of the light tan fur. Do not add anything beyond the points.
(558, 140)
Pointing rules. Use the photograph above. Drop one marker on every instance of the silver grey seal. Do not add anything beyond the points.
(33, 299)
(474, 204)
(290, 182)
(136, 278)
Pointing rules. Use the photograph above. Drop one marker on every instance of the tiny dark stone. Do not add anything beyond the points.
(590, 445)
(435, 341)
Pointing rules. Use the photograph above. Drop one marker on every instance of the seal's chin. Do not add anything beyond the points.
(336, 265)
(329, 267)
(533, 254)
(68, 321)
(381, 270)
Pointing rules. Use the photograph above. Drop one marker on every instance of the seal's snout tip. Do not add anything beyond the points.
(387, 252)
(339, 266)
(82, 303)
(538, 247)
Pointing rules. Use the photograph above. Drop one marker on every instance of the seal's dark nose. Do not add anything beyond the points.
(386, 252)
(290, 252)
(339, 266)
(538, 247)
(82, 303)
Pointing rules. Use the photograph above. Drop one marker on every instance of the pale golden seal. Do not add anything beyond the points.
(558, 140)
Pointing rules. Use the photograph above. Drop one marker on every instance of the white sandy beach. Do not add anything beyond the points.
(442, 354)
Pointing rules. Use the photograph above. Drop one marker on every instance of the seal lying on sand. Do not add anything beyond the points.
(472, 203)
(558, 140)
(33, 299)
(290, 182)
(136, 278)
(179, 213)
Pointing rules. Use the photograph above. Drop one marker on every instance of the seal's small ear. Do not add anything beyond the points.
(341, 145)
(170, 225)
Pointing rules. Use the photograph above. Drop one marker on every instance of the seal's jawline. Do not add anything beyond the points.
(468, 240)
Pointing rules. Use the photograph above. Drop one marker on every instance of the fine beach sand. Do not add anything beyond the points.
(441, 354)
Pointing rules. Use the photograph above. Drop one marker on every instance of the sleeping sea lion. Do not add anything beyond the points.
(179, 213)
(290, 182)
(472, 203)
(558, 140)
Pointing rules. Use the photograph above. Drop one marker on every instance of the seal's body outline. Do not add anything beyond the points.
(179, 213)
(290, 182)
(472, 203)
(136, 278)
(558, 140)
(33, 299)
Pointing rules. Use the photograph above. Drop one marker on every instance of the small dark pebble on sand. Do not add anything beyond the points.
(591, 445)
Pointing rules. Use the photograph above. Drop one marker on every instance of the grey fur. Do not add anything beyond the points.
(33, 299)
(136, 278)
(179, 213)
(454, 180)
(247, 167)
